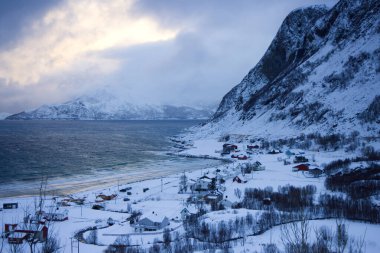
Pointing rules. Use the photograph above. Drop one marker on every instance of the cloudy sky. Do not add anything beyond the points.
(147, 51)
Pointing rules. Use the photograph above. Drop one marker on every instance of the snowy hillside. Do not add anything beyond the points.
(321, 73)
(3, 115)
(104, 106)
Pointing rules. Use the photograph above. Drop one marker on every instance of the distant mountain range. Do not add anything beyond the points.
(105, 106)
(321, 73)
(3, 115)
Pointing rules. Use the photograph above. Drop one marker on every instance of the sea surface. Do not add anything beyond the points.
(80, 155)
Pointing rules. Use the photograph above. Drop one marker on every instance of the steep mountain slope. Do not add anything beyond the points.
(321, 73)
(105, 106)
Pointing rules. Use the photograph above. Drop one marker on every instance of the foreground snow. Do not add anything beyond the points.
(162, 197)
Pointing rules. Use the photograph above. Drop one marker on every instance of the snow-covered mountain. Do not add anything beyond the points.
(321, 73)
(104, 106)
(3, 115)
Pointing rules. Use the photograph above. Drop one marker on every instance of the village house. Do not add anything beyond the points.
(289, 153)
(17, 237)
(300, 159)
(39, 234)
(201, 185)
(301, 167)
(251, 147)
(228, 148)
(56, 216)
(186, 213)
(274, 152)
(151, 222)
(226, 203)
(242, 157)
(102, 197)
(213, 197)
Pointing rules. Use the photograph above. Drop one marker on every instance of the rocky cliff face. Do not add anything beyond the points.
(321, 74)
(105, 106)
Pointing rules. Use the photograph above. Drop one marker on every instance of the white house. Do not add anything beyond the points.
(187, 211)
(151, 222)
(225, 203)
(201, 185)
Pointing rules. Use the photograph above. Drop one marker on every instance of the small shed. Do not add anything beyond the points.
(274, 152)
(267, 201)
(110, 221)
(10, 205)
(316, 172)
(237, 180)
(258, 166)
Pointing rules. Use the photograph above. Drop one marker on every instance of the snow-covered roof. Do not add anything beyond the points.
(154, 216)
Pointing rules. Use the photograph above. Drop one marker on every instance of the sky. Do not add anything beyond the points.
(145, 51)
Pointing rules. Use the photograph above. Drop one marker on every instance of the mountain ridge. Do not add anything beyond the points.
(319, 74)
(105, 106)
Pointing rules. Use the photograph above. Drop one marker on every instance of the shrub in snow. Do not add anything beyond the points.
(92, 237)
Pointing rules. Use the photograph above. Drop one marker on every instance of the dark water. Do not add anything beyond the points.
(75, 155)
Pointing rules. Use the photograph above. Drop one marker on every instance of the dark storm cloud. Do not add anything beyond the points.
(218, 42)
(214, 44)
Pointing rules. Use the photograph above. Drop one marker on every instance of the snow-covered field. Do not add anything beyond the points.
(357, 231)
(160, 198)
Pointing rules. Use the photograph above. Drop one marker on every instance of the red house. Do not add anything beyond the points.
(9, 228)
(19, 235)
(301, 167)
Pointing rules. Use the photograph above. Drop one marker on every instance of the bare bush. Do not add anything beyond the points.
(295, 236)
(92, 237)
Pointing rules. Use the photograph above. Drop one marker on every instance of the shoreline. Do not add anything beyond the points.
(79, 187)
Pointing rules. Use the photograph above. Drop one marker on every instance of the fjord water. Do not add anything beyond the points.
(77, 155)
